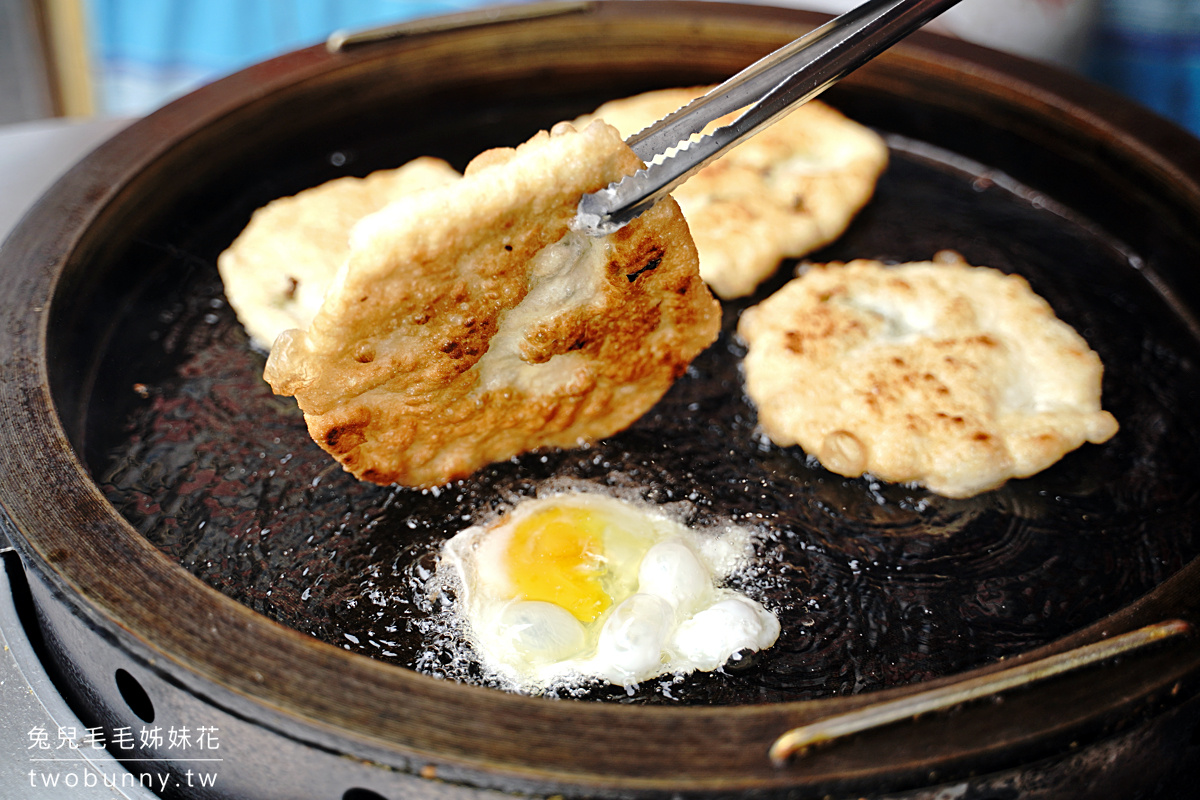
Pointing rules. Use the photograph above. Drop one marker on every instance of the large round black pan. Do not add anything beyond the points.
(195, 559)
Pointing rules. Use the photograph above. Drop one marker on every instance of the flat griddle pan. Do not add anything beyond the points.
(133, 413)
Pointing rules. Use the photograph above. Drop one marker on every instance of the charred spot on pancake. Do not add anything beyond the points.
(345, 437)
(651, 263)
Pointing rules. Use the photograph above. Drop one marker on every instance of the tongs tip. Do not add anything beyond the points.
(592, 219)
(603, 212)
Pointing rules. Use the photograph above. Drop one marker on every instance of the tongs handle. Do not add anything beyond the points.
(772, 87)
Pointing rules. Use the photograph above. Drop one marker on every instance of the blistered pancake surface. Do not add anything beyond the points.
(470, 324)
(792, 188)
(938, 373)
(277, 270)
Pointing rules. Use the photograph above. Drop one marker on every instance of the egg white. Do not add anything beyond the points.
(670, 611)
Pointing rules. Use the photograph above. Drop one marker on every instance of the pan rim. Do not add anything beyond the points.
(39, 515)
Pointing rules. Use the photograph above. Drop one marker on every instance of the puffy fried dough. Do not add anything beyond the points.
(276, 271)
(943, 374)
(792, 188)
(470, 323)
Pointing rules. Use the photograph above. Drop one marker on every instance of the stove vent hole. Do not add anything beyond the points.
(135, 696)
(362, 794)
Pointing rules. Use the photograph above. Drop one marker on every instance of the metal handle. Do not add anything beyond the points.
(775, 85)
(339, 41)
(840, 726)
(793, 74)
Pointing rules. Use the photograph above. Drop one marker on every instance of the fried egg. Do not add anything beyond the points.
(574, 587)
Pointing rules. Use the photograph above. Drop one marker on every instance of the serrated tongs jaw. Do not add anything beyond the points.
(675, 147)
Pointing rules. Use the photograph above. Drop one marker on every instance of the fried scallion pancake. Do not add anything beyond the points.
(276, 271)
(936, 373)
(790, 189)
(469, 323)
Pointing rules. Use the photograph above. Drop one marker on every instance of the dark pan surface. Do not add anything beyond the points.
(876, 586)
(123, 366)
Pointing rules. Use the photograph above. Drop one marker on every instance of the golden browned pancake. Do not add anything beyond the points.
(938, 373)
(470, 323)
(276, 271)
(789, 190)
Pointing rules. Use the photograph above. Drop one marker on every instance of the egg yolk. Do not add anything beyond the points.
(557, 555)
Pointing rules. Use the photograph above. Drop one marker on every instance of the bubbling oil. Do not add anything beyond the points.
(874, 585)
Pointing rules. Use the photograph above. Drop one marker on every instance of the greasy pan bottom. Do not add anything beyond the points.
(131, 412)
(875, 585)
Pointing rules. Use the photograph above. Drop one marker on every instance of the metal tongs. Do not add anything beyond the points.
(675, 147)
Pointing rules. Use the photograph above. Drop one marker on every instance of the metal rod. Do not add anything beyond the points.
(341, 40)
(796, 72)
(8, 535)
(840, 726)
